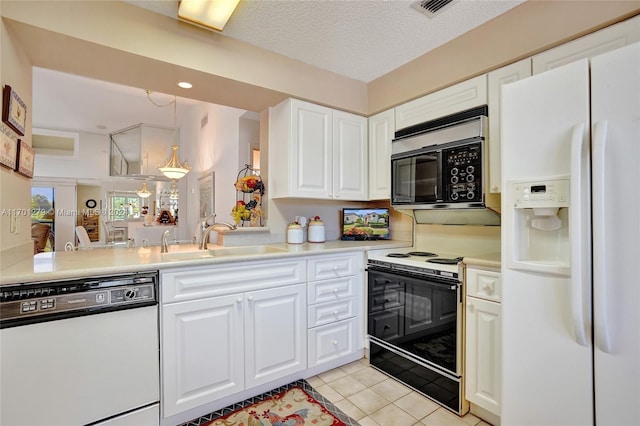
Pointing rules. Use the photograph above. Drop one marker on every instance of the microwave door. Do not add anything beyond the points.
(427, 177)
(403, 180)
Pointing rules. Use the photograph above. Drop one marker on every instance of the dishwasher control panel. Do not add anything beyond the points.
(72, 298)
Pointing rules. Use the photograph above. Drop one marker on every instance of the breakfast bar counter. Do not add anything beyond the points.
(109, 261)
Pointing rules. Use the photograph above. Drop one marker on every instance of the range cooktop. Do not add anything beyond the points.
(410, 259)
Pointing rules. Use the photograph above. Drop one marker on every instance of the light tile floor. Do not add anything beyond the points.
(374, 399)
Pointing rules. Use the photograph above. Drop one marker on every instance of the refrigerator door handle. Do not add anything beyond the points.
(601, 328)
(578, 231)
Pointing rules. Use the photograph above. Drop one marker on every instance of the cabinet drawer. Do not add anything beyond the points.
(484, 284)
(332, 290)
(326, 267)
(195, 283)
(325, 313)
(333, 341)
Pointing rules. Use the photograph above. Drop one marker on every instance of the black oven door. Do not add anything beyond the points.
(420, 316)
(416, 178)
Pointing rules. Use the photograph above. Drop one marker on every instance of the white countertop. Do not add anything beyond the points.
(491, 260)
(111, 261)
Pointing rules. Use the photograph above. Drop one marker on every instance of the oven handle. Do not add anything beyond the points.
(439, 281)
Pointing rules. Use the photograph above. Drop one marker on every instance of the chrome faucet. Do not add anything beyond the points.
(165, 245)
(205, 234)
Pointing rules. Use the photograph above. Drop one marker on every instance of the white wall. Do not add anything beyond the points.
(214, 148)
(14, 188)
(92, 161)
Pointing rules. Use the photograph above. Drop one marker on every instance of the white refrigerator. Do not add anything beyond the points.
(570, 238)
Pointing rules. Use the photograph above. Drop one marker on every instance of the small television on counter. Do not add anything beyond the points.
(365, 224)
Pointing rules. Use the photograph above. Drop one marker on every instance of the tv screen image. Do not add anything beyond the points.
(365, 224)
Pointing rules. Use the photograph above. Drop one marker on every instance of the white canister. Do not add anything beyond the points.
(316, 231)
(295, 235)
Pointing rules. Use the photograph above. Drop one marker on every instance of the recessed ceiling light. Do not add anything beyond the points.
(101, 127)
(185, 85)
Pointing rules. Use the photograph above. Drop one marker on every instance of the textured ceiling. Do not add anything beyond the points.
(361, 39)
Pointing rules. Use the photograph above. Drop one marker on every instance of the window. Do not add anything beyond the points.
(125, 207)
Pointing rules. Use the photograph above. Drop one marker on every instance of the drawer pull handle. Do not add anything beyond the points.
(386, 327)
(239, 300)
(335, 342)
(249, 298)
(335, 290)
(335, 312)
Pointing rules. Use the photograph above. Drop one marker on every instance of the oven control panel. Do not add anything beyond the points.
(463, 173)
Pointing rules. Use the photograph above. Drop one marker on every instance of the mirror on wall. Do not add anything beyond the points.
(140, 150)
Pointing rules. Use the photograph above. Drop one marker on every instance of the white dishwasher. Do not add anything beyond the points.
(80, 352)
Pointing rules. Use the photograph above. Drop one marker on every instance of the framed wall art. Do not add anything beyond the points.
(8, 149)
(14, 110)
(26, 157)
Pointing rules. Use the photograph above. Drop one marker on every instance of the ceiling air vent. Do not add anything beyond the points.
(431, 8)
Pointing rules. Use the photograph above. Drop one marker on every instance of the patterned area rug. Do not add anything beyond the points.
(295, 404)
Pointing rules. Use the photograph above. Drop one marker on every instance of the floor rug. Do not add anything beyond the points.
(294, 404)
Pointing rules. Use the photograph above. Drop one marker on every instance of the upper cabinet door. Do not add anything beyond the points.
(381, 132)
(593, 44)
(496, 79)
(312, 154)
(350, 160)
(317, 152)
(459, 97)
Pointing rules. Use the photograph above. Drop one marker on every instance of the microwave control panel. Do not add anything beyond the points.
(463, 173)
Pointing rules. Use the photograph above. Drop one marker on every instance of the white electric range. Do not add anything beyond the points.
(430, 263)
(414, 321)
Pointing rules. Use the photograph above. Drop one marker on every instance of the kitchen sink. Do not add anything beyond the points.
(245, 250)
(192, 252)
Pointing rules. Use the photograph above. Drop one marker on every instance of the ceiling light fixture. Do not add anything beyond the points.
(185, 85)
(173, 169)
(144, 192)
(212, 14)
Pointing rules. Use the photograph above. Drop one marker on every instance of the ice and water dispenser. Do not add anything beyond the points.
(539, 235)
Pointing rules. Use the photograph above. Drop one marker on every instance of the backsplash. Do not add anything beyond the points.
(459, 240)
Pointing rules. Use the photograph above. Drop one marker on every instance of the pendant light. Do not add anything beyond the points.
(173, 169)
(144, 192)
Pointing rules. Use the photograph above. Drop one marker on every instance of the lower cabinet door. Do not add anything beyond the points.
(202, 355)
(483, 349)
(275, 333)
(332, 341)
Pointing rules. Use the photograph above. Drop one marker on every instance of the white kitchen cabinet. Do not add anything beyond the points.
(221, 338)
(483, 333)
(316, 152)
(336, 325)
(605, 40)
(381, 133)
(459, 97)
(275, 341)
(495, 80)
(202, 352)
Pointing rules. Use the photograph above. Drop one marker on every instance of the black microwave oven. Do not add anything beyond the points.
(441, 166)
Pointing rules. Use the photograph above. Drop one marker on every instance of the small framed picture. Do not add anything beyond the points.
(14, 110)
(26, 157)
(8, 149)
